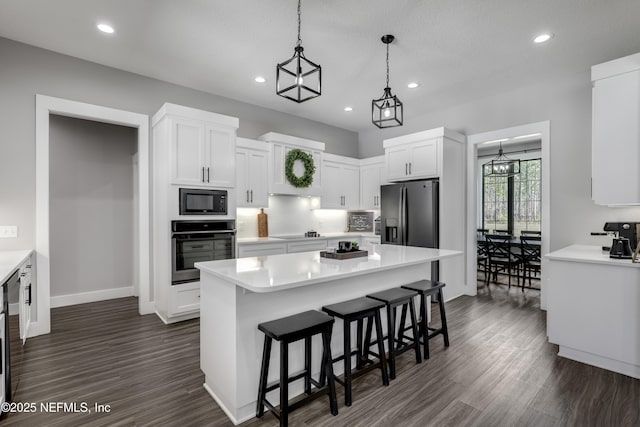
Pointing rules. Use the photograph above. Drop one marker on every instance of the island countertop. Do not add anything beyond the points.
(10, 261)
(279, 272)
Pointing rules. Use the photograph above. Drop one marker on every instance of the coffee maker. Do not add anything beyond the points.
(626, 238)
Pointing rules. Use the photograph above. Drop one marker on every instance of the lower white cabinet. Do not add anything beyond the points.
(306, 246)
(184, 299)
(24, 298)
(261, 249)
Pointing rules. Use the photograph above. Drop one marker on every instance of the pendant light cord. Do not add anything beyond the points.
(387, 64)
(299, 23)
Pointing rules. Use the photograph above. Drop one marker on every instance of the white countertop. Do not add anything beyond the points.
(325, 236)
(10, 261)
(589, 254)
(279, 272)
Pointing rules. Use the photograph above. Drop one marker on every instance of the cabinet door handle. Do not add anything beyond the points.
(247, 196)
(203, 174)
(29, 301)
(409, 168)
(208, 170)
(406, 168)
(251, 196)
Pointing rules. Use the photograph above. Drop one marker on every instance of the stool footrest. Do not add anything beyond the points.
(296, 377)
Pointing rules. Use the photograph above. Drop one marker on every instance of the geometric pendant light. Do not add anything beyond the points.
(502, 165)
(387, 111)
(297, 78)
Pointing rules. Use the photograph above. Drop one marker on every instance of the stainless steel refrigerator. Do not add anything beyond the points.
(409, 215)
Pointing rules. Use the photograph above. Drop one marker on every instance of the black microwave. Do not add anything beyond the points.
(195, 201)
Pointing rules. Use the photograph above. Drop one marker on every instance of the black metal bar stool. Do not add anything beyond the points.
(393, 298)
(433, 289)
(287, 330)
(358, 310)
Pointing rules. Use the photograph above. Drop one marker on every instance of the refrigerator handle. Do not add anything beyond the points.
(401, 218)
(405, 234)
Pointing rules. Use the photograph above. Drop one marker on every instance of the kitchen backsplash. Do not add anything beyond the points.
(292, 215)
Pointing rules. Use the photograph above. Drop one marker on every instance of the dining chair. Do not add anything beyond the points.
(502, 256)
(495, 231)
(530, 247)
(530, 233)
(482, 253)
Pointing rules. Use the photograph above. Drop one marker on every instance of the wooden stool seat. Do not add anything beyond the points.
(394, 298)
(433, 289)
(287, 330)
(358, 310)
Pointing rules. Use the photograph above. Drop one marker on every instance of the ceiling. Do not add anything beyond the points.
(458, 50)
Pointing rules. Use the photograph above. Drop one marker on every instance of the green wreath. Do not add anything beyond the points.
(306, 179)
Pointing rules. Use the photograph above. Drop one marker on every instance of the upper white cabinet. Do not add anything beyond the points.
(373, 173)
(411, 160)
(252, 160)
(279, 146)
(203, 146)
(616, 132)
(340, 182)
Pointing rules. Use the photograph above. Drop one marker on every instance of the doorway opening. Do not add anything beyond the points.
(516, 206)
(45, 108)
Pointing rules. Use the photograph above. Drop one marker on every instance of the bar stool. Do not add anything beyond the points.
(433, 289)
(358, 310)
(393, 298)
(287, 330)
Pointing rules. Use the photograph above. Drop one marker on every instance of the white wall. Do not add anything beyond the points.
(566, 103)
(26, 70)
(91, 205)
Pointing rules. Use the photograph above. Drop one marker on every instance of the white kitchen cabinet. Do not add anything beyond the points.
(252, 159)
(184, 299)
(279, 147)
(341, 182)
(368, 242)
(437, 154)
(373, 173)
(414, 160)
(261, 249)
(306, 246)
(24, 299)
(615, 175)
(203, 146)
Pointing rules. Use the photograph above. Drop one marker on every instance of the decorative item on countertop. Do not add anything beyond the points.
(263, 224)
(306, 179)
(359, 221)
(344, 255)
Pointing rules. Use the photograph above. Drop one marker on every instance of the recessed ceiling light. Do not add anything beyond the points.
(542, 38)
(348, 109)
(106, 28)
(413, 85)
(260, 79)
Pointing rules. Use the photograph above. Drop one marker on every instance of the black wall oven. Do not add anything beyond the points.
(198, 241)
(195, 201)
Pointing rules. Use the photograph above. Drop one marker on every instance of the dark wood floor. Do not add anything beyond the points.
(499, 371)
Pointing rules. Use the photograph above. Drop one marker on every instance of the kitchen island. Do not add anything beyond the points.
(238, 294)
(593, 308)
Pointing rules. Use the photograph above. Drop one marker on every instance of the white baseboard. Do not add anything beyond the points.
(85, 297)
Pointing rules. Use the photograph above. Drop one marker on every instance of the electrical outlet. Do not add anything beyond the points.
(8, 231)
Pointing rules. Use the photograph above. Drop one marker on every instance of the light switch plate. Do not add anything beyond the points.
(8, 231)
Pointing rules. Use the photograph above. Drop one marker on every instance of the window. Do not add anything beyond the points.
(513, 203)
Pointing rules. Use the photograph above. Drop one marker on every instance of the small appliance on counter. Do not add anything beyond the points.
(311, 234)
(626, 238)
(377, 226)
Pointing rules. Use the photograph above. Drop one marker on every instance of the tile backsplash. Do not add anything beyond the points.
(292, 215)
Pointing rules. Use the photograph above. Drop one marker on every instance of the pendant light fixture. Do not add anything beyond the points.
(502, 165)
(297, 78)
(386, 112)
